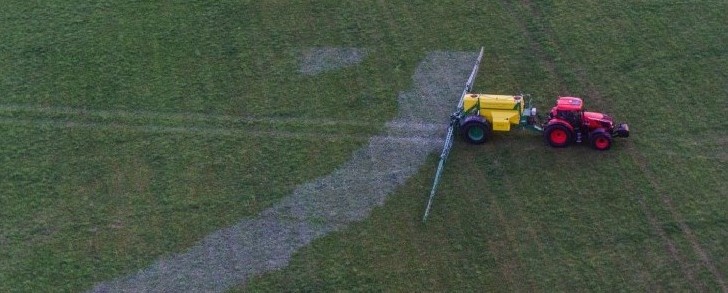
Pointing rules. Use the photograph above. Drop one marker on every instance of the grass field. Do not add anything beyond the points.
(132, 130)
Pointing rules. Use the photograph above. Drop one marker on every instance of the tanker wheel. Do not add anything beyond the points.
(476, 132)
(601, 141)
(558, 135)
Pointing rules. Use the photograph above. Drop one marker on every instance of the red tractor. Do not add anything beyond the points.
(569, 123)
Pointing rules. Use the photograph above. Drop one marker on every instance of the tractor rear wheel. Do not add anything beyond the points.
(558, 135)
(476, 131)
(600, 140)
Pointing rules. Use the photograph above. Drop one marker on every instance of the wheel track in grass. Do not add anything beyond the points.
(193, 123)
(510, 194)
(16, 110)
(266, 242)
(511, 264)
(507, 252)
(639, 159)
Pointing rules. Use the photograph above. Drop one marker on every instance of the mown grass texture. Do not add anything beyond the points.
(86, 203)
(128, 132)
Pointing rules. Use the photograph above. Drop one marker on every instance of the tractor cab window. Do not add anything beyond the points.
(573, 117)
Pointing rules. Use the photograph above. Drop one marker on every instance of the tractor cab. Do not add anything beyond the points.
(570, 110)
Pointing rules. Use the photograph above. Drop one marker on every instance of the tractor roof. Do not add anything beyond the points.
(569, 104)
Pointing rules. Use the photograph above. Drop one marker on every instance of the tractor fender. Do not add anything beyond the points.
(599, 130)
(559, 121)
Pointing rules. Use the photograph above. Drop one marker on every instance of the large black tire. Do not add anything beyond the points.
(600, 140)
(475, 130)
(558, 135)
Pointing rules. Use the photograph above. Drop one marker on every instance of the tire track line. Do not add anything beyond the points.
(181, 116)
(509, 263)
(512, 196)
(705, 260)
(535, 47)
(668, 243)
(420, 135)
(639, 159)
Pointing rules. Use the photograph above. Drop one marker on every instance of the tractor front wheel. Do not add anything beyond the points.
(558, 135)
(476, 131)
(600, 140)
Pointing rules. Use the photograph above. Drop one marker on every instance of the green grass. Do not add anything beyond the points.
(88, 196)
(105, 197)
(514, 215)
